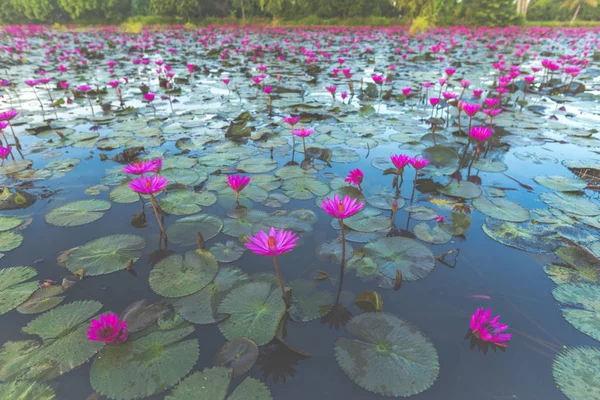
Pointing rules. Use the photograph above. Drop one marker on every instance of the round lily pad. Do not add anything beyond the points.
(186, 202)
(14, 166)
(576, 371)
(105, 255)
(10, 240)
(9, 222)
(77, 213)
(14, 289)
(304, 188)
(255, 310)
(42, 300)
(24, 390)
(257, 165)
(227, 252)
(561, 183)
(307, 302)
(239, 354)
(459, 224)
(185, 230)
(462, 189)
(184, 176)
(571, 203)
(141, 314)
(443, 160)
(501, 208)
(431, 235)
(145, 366)
(530, 237)
(123, 194)
(421, 213)
(582, 266)
(414, 260)
(582, 306)
(487, 165)
(180, 275)
(385, 201)
(388, 356)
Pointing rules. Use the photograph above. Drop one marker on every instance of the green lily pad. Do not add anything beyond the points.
(462, 189)
(239, 354)
(213, 383)
(7, 223)
(123, 194)
(141, 314)
(24, 390)
(421, 213)
(570, 203)
(77, 213)
(431, 235)
(105, 255)
(10, 240)
(14, 166)
(184, 176)
(459, 224)
(145, 366)
(255, 310)
(501, 208)
(388, 356)
(42, 300)
(332, 251)
(307, 302)
(487, 165)
(385, 201)
(304, 188)
(227, 252)
(561, 183)
(180, 275)
(185, 230)
(368, 220)
(577, 373)
(186, 202)
(528, 237)
(414, 260)
(581, 266)
(65, 345)
(257, 165)
(14, 289)
(582, 306)
(443, 160)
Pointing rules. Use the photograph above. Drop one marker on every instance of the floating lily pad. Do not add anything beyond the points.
(257, 165)
(458, 225)
(185, 230)
(141, 314)
(14, 166)
(255, 310)
(414, 260)
(77, 213)
(365, 221)
(384, 201)
(582, 266)
(123, 194)
(462, 189)
(435, 235)
(421, 213)
(42, 300)
(145, 366)
(105, 255)
(307, 302)
(24, 390)
(487, 165)
(184, 176)
(239, 354)
(582, 306)
(332, 251)
(577, 373)
(227, 252)
(443, 160)
(369, 301)
(501, 208)
(10, 240)
(14, 289)
(186, 202)
(529, 237)
(304, 188)
(388, 356)
(8, 223)
(561, 183)
(180, 275)
(570, 203)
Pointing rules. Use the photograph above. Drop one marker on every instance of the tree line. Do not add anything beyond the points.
(432, 12)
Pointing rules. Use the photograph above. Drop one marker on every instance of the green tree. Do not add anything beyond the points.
(187, 9)
(107, 10)
(490, 13)
(576, 5)
(37, 10)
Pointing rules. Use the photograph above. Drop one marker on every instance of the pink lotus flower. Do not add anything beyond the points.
(111, 64)
(529, 79)
(331, 90)
(273, 244)
(341, 209)
(449, 95)
(477, 93)
(355, 177)
(291, 120)
(378, 79)
(157, 165)
(190, 67)
(400, 160)
(148, 184)
(470, 109)
(3, 125)
(8, 115)
(113, 84)
(443, 81)
(238, 183)
(344, 95)
(406, 91)
(440, 218)
(480, 133)
(492, 112)
(418, 163)
(139, 168)
(4, 152)
(491, 102)
(32, 82)
(108, 329)
(489, 329)
(225, 81)
(450, 71)
(84, 88)
(303, 132)
(149, 97)
(434, 101)
(64, 85)
(268, 89)
(465, 83)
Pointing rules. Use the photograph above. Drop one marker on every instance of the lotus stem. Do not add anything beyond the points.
(92, 107)
(280, 280)
(414, 186)
(156, 214)
(343, 265)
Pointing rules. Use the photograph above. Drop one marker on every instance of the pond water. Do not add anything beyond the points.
(519, 233)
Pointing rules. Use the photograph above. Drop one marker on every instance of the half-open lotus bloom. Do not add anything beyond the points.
(341, 209)
(148, 184)
(489, 329)
(149, 97)
(157, 165)
(434, 101)
(108, 329)
(139, 168)
(84, 88)
(418, 163)
(8, 115)
(303, 132)
(480, 133)
(238, 182)
(291, 120)
(355, 177)
(470, 108)
(4, 152)
(400, 160)
(272, 244)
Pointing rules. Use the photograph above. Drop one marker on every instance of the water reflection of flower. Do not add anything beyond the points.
(279, 360)
(481, 345)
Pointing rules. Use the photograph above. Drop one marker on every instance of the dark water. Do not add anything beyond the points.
(440, 305)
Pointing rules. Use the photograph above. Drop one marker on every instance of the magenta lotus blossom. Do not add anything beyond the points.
(303, 132)
(139, 168)
(449, 95)
(64, 85)
(4, 152)
(108, 329)
(149, 97)
(481, 133)
(272, 244)
(8, 115)
(237, 183)
(355, 177)
(450, 71)
(378, 79)
(148, 184)
(471, 109)
(492, 112)
(406, 91)
(190, 67)
(291, 120)
(225, 81)
(489, 329)
(331, 90)
(400, 160)
(341, 209)
(434, 101)
(529, 79)
(418, 162)
(84, 88)
(32, 82)
(268, 89)
(491, 102)
(344, 95)
(157, 162)
(477, 93)
(113, 84)
(465, 83)
(440, 218)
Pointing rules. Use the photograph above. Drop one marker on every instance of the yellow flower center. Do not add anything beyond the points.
(340, 207)
(272, 242)
(148, 184)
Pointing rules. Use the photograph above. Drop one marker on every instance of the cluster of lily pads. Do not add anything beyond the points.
(221, 108)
